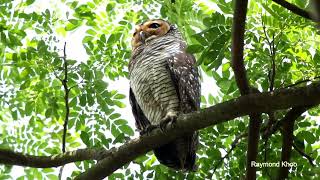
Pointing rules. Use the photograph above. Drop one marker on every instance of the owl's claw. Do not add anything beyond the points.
(147, 130)
(171, 118)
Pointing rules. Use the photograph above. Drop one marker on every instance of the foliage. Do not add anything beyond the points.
(32, 107)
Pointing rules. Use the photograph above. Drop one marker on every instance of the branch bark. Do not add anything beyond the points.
(15, 158)
(244, 105)
(295, 9)
(238, 29)
(287, 138)
(316, 10)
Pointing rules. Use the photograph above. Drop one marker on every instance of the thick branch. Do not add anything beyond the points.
(14, 158)
(295, 9)
(244, 105)
(287, 138)
(316, 8)
(238, 29)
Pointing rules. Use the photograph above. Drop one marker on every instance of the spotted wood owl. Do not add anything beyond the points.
(164, 82)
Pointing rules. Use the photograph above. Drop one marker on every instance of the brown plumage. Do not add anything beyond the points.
(164, 82)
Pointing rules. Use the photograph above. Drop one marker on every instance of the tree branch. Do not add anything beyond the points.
(66, 102)
(316, 10)
(295, 9)
(14, 158)
(287, 138)
(294, 113)
(238, 29)
(244, 105)
(302, 81)
(233, 146)
(66, 98)
(310, 159)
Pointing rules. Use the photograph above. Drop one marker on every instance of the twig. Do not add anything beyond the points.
(271, 78)
(267, 129)
(272, 54)
(302, 81)
(309, 158)
(273, 64)
(66, 102)
(233, 146)
(76, 84)
(295, 9)
(56, 75)
(66, 97)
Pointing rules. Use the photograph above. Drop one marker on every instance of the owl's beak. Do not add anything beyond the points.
(142, 36)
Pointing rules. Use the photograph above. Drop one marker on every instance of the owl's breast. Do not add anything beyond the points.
(151, 82)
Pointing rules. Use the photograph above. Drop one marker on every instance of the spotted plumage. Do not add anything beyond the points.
(164, 82)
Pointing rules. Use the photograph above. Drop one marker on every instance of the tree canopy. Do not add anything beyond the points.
(63, 65)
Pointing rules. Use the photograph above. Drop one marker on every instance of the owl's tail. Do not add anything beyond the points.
(179, 154)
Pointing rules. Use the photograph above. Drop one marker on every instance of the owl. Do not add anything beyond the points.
(164, 82)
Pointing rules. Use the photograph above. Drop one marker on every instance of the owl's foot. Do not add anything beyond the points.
(171, 118)
(148, 129)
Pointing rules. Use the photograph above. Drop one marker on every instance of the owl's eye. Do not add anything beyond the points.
(154, 25)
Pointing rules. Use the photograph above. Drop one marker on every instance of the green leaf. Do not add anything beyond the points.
(100, 85)
(308, 136)
(28, 2)
(114, 131)
(119, 96)
(115, 116)
(214, 153)
(110, 7)
(119, 104)
(14, 40)
(195, 48)
(119, 139)
(83, 100)
(74, 21)
(85, 138)
(120, 121)
(126, 129)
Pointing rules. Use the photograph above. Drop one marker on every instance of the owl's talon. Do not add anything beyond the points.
(148, 129)
(169, 118)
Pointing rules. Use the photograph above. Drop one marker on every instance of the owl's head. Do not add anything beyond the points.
(149, 30)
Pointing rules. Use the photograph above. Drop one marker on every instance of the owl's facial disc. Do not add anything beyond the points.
(149, 30)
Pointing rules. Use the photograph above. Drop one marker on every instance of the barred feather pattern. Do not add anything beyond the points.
(164, 78)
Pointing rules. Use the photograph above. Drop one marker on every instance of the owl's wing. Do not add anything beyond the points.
(141, 120)
(185, 75)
